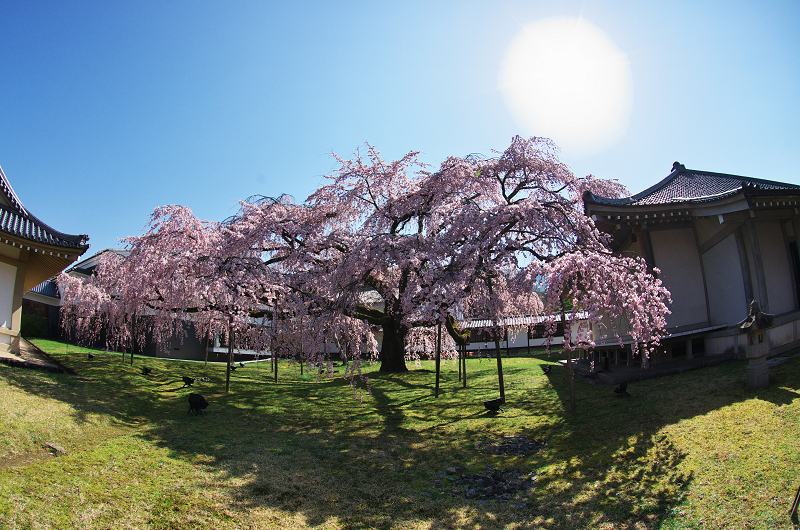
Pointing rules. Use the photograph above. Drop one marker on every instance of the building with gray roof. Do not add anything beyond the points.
(717, 241)
(30, 253)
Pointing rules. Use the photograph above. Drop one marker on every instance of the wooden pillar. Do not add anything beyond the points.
(500, 370)
(744, 263)
(529, 341)
(786, 227)
(464, 357)
(458, 349)
(230, 356)
(643, 235)
(438, 358)
(761, 279)
(702, 271)
(16, 302)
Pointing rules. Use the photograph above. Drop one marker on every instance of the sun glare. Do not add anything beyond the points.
(565, 79)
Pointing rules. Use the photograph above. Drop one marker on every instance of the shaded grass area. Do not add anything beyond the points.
(697, 450)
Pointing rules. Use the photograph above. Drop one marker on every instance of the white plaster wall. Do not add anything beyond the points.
(720, 345)
(676, 254)
(726, 296)
(519, 339)
(707, 228)
(780, 335)
(608, 329)
(776, 264)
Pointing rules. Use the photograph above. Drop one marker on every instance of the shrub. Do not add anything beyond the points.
(34, 326)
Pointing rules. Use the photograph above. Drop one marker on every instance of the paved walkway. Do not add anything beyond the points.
(31, 357)
(617, 373)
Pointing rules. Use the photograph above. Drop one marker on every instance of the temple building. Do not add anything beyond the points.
(718, 241)
(30, 253)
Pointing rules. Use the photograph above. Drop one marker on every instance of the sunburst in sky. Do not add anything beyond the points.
(564, 78)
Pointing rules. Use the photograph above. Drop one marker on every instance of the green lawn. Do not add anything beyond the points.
(697, 450)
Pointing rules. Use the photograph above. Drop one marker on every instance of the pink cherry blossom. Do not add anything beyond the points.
(394, 247)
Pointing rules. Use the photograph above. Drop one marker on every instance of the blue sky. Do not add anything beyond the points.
(109, 109)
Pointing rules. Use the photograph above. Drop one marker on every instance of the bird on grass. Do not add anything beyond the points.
(146, 370)
(188, 381)
(197, 403)
(494, 405)
(91, 356)
(622, 389)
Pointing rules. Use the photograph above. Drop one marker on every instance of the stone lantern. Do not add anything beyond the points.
(757, 349)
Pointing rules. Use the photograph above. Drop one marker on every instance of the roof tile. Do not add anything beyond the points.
(15, 220)
(691, 186)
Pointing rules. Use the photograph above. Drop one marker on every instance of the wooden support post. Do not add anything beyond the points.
(795, 505)
(761, 278)
(459, 362)
(571, 375)
(230, 356)
(438, 358)
(500, 369)
(464, 357)
(133, 336)
(529, 341)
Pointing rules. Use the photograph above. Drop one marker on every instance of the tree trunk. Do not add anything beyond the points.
(393, 353)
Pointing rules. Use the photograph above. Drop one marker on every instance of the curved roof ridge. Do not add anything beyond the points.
(589, 196)
(18, 221)
(5, 185)
(690, 185)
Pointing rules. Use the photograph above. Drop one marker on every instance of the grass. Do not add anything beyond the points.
(696, 450)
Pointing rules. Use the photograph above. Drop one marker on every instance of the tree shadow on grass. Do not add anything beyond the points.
(273, 454)
(615, 459)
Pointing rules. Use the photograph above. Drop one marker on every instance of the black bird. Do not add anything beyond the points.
(494, 404)
(146, 370)
(241, 364)
(188, 381)
(91, 356)
(546, 368)
(233, 368)
(196, 403)
(622, 389)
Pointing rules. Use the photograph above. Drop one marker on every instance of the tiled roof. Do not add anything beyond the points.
(518, 321)
(691, 186)
(15, 220)
(47, 288)
(87, 266)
